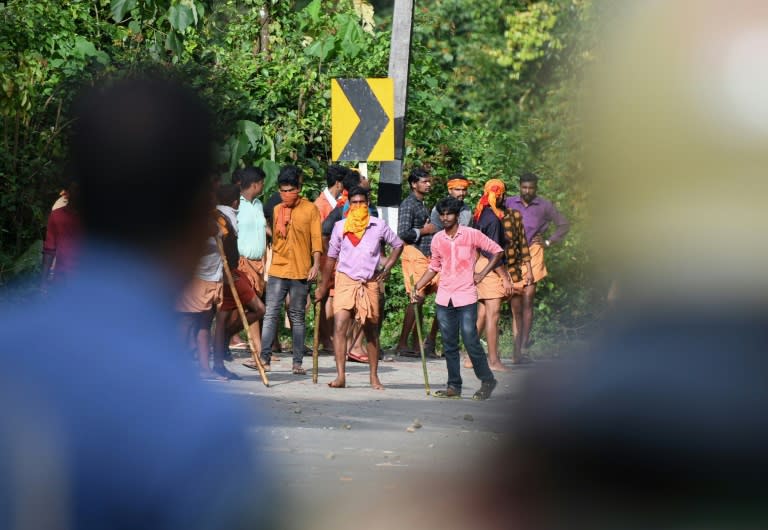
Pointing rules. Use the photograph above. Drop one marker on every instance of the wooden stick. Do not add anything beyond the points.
(421, 340)
(241, 311)
(316, 344)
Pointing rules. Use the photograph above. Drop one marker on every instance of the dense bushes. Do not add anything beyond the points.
(488, 97)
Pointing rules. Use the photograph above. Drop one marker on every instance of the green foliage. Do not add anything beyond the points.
(489, 96)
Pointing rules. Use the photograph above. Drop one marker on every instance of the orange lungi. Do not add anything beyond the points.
(415, 264)
(537, 265)
(360, 297)
(253, 270)
(491, 287)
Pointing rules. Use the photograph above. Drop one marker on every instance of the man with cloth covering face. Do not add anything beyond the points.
(355, 249)
(296, 248)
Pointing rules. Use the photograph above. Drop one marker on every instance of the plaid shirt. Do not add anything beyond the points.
(413, 215)
(516, 248)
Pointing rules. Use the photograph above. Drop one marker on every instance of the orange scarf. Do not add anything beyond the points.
(458, 183)
(356, 222)
(492, 190)
(283, 214)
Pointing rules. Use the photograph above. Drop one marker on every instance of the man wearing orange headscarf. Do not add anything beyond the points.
(458, 187)
(497, 286)
(296, 249)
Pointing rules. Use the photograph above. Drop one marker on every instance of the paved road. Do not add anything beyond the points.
(329, 442)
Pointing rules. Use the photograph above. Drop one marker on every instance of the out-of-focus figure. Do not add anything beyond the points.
(663, 424)
(106, 424)
(62, 238)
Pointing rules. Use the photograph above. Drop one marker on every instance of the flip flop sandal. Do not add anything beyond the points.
(485, 390)
(298, 370)
(250, 364)
(448, 393)
(357, 358)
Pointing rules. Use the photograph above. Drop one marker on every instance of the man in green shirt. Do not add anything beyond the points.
(251, 238)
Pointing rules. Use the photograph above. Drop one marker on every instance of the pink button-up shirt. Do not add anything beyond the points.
(360, 262)
(454, 258)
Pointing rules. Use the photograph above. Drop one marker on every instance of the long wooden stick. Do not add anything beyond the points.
(316, 343)
(241, 311)
(421, 340)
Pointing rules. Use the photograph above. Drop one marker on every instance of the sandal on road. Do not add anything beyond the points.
(486, 388)
(449, 393)
(357, 358)
(298, 370)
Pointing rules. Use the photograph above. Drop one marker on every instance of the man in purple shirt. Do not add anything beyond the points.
(537, 214)
(355, 249)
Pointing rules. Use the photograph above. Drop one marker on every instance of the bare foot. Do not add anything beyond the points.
(497, 367)
(376, 384)
(467, 362)
(339, 382)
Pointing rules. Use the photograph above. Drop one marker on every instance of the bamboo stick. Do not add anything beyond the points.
(241, 311)
(417, 316)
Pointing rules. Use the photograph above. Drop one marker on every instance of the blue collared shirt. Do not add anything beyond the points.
(252, 229)
(107, 406)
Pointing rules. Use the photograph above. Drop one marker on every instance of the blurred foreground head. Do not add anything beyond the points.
(663, 424)
(678, 135)
(142, 153)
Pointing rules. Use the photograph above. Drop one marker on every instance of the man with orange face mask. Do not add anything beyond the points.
(296, 249)
(355, 248)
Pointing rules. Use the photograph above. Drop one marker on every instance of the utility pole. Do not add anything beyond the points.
(390, 183)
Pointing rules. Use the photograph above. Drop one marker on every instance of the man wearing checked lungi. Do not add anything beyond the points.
(355, 247)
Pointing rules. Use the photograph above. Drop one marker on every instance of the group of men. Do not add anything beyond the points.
(473, 260)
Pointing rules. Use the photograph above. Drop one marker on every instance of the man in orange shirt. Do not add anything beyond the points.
(296, 248)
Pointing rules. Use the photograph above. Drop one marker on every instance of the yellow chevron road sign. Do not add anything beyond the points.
(362, 119)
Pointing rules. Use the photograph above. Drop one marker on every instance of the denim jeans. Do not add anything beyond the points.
(464, 318)
(277, 289)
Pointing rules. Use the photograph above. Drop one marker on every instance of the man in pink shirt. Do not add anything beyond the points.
(355, 249)
(454, 252)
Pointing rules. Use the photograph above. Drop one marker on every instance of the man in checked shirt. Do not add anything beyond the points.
(415, 229)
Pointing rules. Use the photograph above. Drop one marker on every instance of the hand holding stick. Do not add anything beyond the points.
(241, 311)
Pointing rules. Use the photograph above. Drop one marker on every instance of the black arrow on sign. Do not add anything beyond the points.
(373, 119)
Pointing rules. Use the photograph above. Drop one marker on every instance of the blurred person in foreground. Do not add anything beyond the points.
(663, 424)
(107, 424)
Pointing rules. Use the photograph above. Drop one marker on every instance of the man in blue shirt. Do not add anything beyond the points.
(107, 424)
(252, 241)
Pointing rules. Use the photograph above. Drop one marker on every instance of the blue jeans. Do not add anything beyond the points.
(277, 289)
(464, 318)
